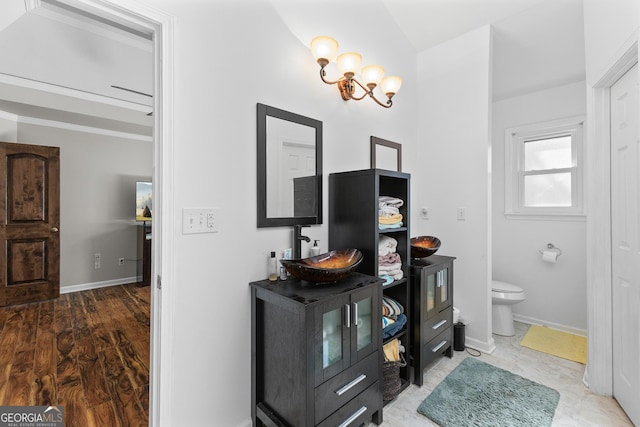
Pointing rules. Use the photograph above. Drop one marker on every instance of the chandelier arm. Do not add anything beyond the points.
(329, 82)
(387, 105)
(369, 91)
(366, 91)
(355, 98)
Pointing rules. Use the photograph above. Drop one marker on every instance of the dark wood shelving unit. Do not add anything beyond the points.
(353, 223)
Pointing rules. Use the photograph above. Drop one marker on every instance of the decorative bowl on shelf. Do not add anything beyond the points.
(324, 268)
(424, 246)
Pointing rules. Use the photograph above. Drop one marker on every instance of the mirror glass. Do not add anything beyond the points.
(386, 154)
(386, 158)
(289, 168)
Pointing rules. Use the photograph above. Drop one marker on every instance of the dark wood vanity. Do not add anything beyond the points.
(432, 311)
(316, 352)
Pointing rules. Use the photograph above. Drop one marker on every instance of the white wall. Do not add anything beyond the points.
(454, 156)
(8, 127)
(228, 57)
(97, 201)
(608, 26)
(556, 293)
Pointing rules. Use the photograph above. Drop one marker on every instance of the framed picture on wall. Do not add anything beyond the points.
(386, 154)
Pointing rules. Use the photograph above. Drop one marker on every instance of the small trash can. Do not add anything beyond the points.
(458, 337)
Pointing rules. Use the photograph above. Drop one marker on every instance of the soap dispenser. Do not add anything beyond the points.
(315, 249)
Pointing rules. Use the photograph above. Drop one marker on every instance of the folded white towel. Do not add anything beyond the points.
(386, 245)
(388, 211)
(390, 267)
(390, 201)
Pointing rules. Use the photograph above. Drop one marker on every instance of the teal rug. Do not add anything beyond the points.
(477, 394)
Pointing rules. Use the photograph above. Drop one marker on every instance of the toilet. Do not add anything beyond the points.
(503, 296)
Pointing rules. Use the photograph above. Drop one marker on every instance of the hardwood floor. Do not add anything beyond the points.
(87, 351)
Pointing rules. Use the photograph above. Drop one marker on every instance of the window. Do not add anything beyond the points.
(543, 174)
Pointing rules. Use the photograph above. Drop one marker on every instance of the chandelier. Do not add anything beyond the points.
(325, 49)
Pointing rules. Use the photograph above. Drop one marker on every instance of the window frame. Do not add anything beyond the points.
(515, 138)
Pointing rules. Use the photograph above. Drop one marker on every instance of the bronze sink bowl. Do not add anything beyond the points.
(324, 268)
(424, 246)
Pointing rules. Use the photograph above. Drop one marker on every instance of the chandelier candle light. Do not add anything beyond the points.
(325, 49)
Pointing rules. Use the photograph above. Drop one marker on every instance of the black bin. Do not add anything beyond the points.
(458, 336)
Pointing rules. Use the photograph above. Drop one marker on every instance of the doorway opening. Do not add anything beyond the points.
(600, 254)
(158, 26)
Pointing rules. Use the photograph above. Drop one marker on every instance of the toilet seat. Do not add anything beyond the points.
(504, 287)
(506, 293)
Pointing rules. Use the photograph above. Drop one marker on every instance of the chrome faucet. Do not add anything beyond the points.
(297, 241)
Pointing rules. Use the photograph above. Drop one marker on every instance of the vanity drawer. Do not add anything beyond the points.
(358, 410)
(340, 389)
(434, 348)
(434, 326)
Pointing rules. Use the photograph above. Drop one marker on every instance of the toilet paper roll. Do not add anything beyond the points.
(550, 256)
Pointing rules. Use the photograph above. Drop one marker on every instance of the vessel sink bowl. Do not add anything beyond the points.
(424, 246)
(324, 268)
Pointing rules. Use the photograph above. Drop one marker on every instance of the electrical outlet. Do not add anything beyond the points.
(120, 261)
(199, 220)
(424, 213)
(96, 261)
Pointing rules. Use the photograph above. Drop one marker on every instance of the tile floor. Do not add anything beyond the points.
(578, 407)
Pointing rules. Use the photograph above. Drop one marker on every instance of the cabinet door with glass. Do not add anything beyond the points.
(443, 288)
(437, 290)
(366, 327)
(332, 337)
(347, 329)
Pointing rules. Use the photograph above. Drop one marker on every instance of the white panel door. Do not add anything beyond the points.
(298, 160)
(625, 229)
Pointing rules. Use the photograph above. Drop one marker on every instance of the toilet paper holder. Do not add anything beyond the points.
(552, 247)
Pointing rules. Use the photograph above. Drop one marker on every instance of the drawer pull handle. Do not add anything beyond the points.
(439, 346)
(440, 323)
(353, 417)
(349, 386)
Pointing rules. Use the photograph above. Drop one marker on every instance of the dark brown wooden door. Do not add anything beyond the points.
(29, 223)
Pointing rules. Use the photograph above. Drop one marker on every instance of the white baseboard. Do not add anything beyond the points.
(97, 285)
(485, 347)
(552, 325)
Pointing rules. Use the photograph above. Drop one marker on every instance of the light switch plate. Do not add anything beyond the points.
(461, 214)
(199, 220)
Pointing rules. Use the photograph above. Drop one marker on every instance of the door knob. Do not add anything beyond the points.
(55, 229)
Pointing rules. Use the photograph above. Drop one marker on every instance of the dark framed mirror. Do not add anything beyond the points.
(289, 168)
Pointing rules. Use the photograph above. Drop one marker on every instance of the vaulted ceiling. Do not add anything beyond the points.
(538, 44)
(63, 66)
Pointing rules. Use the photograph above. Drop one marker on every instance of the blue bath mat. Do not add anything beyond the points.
(478, 394)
